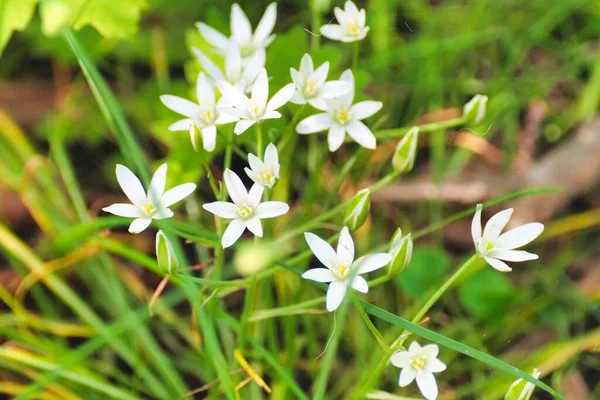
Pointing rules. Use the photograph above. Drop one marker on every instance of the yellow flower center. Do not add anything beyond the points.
(266, 175)
(256, 110)
(207, 116)
(342, 270)
(246, 50)
(342, 117)
(418, 363)
(310, 87)
(244, 210)
(149, 208)
(352, 27)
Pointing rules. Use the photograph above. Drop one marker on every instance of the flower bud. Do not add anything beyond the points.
(521, 389)
(358, 209)
(406, 151)
(320, 6)
(474, 110)
(165, 254)
(252, 258)
(196, 137)
(401, 248)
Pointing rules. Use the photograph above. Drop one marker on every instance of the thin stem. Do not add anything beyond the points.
(289, 131)
(315, 23)
(355, 54)
(378, 336)
(248, 305)
(430, 127)
(259, 141)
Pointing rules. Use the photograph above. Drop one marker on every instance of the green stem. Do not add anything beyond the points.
(259, 141)
(315, 22)
(295, 309)
(289, 131)
(370, 325)
(425, 128)
(248, 305)
(355, 54)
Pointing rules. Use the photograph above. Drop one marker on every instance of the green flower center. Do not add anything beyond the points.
(244, 210)
(419, 363)
(310, 88)
(266, 174)
(207, 116)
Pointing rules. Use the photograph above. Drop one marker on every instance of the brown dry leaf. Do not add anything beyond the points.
(573, 387)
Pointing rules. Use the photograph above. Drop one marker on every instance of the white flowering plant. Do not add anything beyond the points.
(268, 211)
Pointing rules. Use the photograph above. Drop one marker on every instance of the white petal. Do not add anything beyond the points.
(271, 209)
(253, 224)
(400, 359)
(255, 195)
(234, 95)
(177, 193)
(498, 265)
(365, 109)
(212, 36)
(335, 137)
(208, 65)
(235, 187)
(496, 224)
(271, 155)
(476, 225)
(321, 249)
(255, 64)
(162, 213)
(335, 295)
(345, 247)
(340, 15)
(317, 102)
(320, 74)
(242, 126)
(240, 25)
(255, 163)
(139, 224)
(271, 115)
(181, 125)
(351, 8)
(347, 98)
(407, 375)
(320, 275)
(314, 123)
(519, 236)
(124, 210)
(334, 89)
(233, 63)
(362, 135)
(260, 91)
(157, 184)
(414, 347)
(432, 350)
(234, 112)
(371, 262)
(359, 284)
(204, 91)
(332, 31)
(233, 232)
(513, 255)
(435, 365)
(180, 105)
(131, 185)
(265, 25)
(281, 97)
(427, 385)
(222, 209)
(209, 137)
(306, 66)
(225, 118)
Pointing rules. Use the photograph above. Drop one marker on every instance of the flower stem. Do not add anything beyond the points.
(248, 305)
(370, 325)
(315, 21)
(259, 141)
(355, 55)
(430, 127)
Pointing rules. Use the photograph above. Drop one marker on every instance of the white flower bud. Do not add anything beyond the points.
(252, 258)
(165, 254)
(358, 209)
(474, 110)
(196, 137)
(406, 151)
(401, 249)
(521, 389)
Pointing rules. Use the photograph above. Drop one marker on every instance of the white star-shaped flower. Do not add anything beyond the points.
(343, 117)
(495, 247)
(241, 32)
(147, 206)
(246, 211)
(236, 72)
(419, 363)
(311, 86)
(206, 115)
(258, 107)
(342, 271)
(352, 24)
(264, 173)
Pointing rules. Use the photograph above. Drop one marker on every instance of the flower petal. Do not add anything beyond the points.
(124, 210)
(222, 209)
(320, 74)
(240, 26)
(204, 91)
(345, 247)
(281, 97)
(432, 350)
(335, 295)
(265, 25)
(162, 213)
(359, 284)
(157, 185)
(435, 365)
(333, 89)
(362, 135)
(271, 155)
(427, 385)
(320, 275)
(242, 126)
(255, 164)
(407, 375)
(177, 193)
(335, 137)
(321, 249)
(519, 236)
(139, 224)
(271, 115)
(131, 185)
(209, 137)
(400, 359)
(208, 65)
(253, 224)
(476, 224)
(497, 264)
(306, 66)
(255, 195)
(233, 232)
(260, 91)
(513, 255)
(181, 125)
(496, 224)
(235, 187)
(271, 209)
(314, 123)
(414, 347)
(213, 36)
(365, 109)
(371, 262)
(180, 105)
(332, 31)
(233, 63)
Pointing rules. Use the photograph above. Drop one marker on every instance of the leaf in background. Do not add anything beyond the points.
(285, 52)
(487, 294)
(110, 19)
(14, 16)
(427, 268)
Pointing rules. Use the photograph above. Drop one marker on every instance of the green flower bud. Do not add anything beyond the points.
(521, 389)
(196, 137)
(320, 6)
(252, 258)
(165, 254)
(401, 249)
(406, 151)
(358, 209)
(474, 110)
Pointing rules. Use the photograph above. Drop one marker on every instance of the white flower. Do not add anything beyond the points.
(236, 72)
(246, 211)
(494, 247)
(205, 114)
(342, 271)
(520, 389)
(256, 108)
(147, 206)
(241, 32)
(420, 363)
(351, 24)
(311, 86)
(264, 173)
(341, 117)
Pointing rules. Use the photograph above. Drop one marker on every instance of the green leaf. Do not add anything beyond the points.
(110, 19)
(14, 16)
(487, 294)
(427, 267)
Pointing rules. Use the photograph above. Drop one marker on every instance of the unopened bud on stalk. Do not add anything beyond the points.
(521, 389)
(406, 151)
(196, 137)
(252, 258)
(320, 6)
(165, 254)
(358, 209)
(401, 249)
(474, 110)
